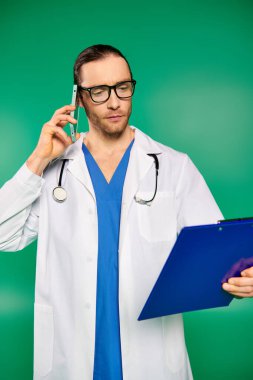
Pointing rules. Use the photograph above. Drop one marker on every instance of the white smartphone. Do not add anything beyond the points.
(74, 114)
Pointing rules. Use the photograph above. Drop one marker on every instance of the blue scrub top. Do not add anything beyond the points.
(107, 359)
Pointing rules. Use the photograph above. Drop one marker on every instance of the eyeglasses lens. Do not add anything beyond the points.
(100, 94)
(123, 90)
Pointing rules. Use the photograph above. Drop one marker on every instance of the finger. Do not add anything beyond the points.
(65, 139)
(237, 289)
(62, 120)
(58, 132)
(241, 295)
(65, 109)
(241, 281)
(247, 272)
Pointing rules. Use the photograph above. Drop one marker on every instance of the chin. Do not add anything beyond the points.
(114, 129)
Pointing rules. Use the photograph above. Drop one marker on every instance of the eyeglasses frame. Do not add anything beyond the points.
(89, 89)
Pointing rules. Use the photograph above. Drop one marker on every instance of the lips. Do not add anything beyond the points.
(114, 118)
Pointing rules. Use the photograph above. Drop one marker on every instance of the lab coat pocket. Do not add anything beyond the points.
(157, 221)
(43, 339)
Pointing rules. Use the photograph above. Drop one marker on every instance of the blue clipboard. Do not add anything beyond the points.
(192, 275)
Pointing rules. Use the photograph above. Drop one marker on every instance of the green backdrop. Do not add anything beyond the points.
(193, 64)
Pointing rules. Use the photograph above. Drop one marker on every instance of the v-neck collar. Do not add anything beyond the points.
(102, 179)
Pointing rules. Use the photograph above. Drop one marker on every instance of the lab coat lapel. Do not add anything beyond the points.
(77, 165)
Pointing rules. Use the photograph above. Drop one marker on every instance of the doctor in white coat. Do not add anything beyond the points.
(67, 232)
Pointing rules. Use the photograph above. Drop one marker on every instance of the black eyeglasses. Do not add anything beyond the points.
(101, 93)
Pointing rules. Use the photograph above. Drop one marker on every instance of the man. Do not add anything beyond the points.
(101, 250)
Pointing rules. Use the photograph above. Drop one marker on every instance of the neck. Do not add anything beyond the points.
(108, 144)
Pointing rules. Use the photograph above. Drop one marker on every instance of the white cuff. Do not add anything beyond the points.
(26, 177)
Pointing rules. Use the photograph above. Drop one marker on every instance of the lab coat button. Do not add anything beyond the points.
(87, 305)
(89, 259)
(90, 212)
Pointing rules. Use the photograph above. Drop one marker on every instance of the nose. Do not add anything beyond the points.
(113, 102)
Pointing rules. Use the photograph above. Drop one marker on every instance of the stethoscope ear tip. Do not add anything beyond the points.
(139, 200)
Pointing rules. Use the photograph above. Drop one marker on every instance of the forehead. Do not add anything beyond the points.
(109, 70)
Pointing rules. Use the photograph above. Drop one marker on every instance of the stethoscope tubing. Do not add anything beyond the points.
(60, 194)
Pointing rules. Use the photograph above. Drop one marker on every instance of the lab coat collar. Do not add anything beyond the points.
(142, 142)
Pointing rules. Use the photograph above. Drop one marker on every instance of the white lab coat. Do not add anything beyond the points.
(66, 270)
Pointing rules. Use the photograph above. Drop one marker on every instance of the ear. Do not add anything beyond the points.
(79, 102)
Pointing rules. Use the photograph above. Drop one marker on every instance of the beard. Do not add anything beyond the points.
(106, 127)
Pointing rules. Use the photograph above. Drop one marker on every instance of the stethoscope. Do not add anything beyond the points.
(148, 201)
(60, 194)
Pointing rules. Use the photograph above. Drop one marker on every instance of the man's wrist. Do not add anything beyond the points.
(37, 164)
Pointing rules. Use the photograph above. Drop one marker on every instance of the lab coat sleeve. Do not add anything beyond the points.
(196, 204)
(19, 205)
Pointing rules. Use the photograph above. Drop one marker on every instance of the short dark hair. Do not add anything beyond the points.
(95, 53)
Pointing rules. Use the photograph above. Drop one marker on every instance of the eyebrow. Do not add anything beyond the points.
(103, 84)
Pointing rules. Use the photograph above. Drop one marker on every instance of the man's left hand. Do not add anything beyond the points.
(241, 286)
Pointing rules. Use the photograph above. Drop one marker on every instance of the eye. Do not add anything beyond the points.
(123, 86)
(98, 91)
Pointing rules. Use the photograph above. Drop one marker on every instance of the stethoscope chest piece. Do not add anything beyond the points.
(59, 194)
